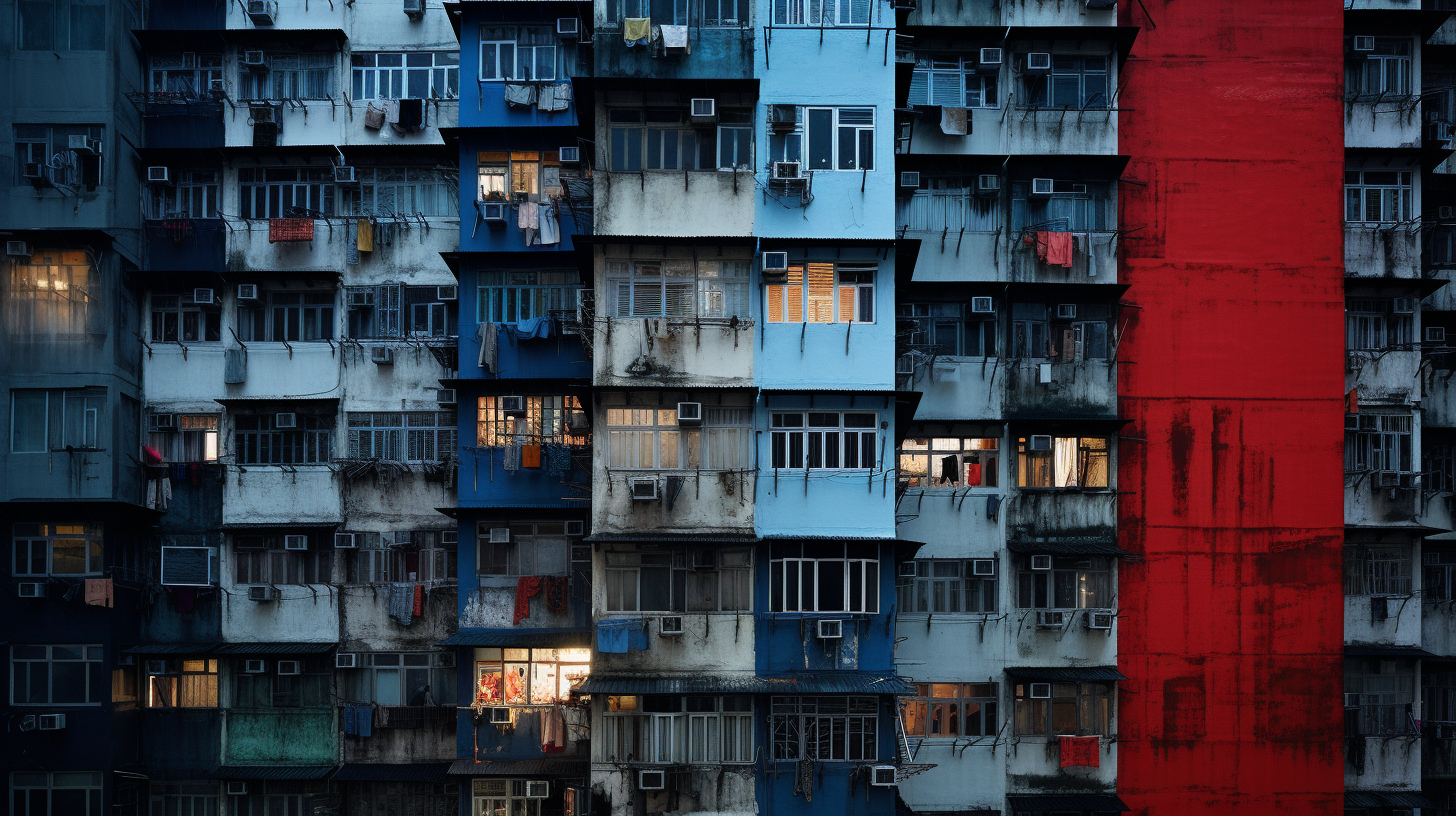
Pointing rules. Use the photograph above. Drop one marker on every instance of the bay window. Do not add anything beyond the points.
(952, 710)
(541, 421)
(952, 462)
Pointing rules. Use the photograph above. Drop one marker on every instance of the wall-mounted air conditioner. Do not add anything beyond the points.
(381, 355)
(643, 488)
(1041, 442)
(31, 589)
(983, 305)
(983, 566)
(343, 174)
(569, 155)
(500, 535)
(786, 171)
(451, 538)
(575, 528)
(537, 789)
(1042, 186)
(248, 292)
(1099, 620)
(1041, 691)
(883, 776)
(159, 175)
(445, 396)
(1435, 334)
(651, 780)
(81, 143)
(830, 629)
(52, 722)
(990, 59)
(783, 118)
(255, 666)
(689, 413)
(290, 667)
(1041, 563)
(262, 593)
(703, 111)
(237, 789)
(263, 12)
(204, 297)
(493, 212)
(512, 406)
(1364, 43)
(1050, 620)
(285, 420)
(346, 541)
(346, 660)
(910, 178)
(670, 625)
(568, 28)
(1066, 311)
(1038, 62)
(446, 294)
(17, 249)
(775, 262)
(255, 60)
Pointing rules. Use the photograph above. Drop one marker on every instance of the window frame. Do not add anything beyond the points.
(1073, 476)
(95, 674)
(1379, 570)
(513, 295)
(815, 304)
(25, 785)
(796, 723)
(363, 77)
(309, 443)
(1373, 441)
(56, 295)
(947, 708)
(206, 320)
(39, 540)
(675, 730)
(707, 446)
(792, 442)
(949, 591)
(312, 689)
(312, 77)
(1372, 73)
(1037, 717)
(933, 451)
(62, 427)
(1079, 575)
(536, 548)
(186, 690)
(679, 288)
(862, 139)
(544, 423)
(64, 22)
(566, 667)
(964, 72)
(625, 577)
(1393, 197)
(406, 439)
(793, 577)
(1040, 89)
(262, 559)
(194, 194)
(532, 38)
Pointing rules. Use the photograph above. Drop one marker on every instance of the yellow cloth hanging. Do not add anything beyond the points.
(366, 235)
(636, 28)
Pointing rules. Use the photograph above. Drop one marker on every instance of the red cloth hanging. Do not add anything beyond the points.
(1054, 248)
(419, 600)
(526, 588)
(556, 589)
(1080, 752)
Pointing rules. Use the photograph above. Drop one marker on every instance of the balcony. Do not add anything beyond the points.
(1053, 517)
(713, 53)
(181, 121)
(187, 245)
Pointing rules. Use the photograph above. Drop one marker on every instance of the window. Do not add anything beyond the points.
(286, 192)
(61, 25)
(498, 797)
(1438, 578)
(526, 677)
(824, 293)
(662, 729)
(1372, 324)
(518, 175)
(194, 440)
(262, 559)
(1074, 709)
(1380, 442)
(663, 581)
(1377, 570)
(508, 296)
(57, 675)
(186, 683)
(57, 419)
(311, 688)
(292, 316)
(543, 421)
(180, 77)
(290, 76)
(952, 81)
(827, 440)
(390, 191)
(379, 561)
(379, 319)
(825, 577)
(402, 678)
(1063, 461)
(1439, 471)
(1387, 692)
(527, 54)
(63, 793)
(1075, 82)
(669, 141)
(176, 318)
(652, 439)
(184, 798)
(535, 548)
(57, 550)
(950, 204)
(52, 295)
(1073, 206)
(193, 194)
(825, 729)
(723, 13)
(260, 441)
(1073, 582)
(47, 149)
(419, 75)
(1039, 332)
(1378, 196)
(678, 288)
(840, 138)
(948, 586)
(1384, 71)
(944, 329)
(953, 462)
(269, 799)
(835, 12)
(414, 436)
(952, 710)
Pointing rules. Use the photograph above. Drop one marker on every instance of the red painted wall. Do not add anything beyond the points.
(1232, 628)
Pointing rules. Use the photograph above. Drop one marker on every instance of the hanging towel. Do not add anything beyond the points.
(636, 30)
(351, 244)
(558, 460)
(512, 457)
(555, 97)
(674, 36)
(527, 587)
(993, 507)
(637, 635)
(550, 227)
(612, 635)
(98, 592)
(1091, 258)
(546, 98)
(351, 724)
(488, 335)
(374, 116)
(381, 717)
(556, 593)
(530, 456)
(973, 474)
(520, 93)
(1058, 248)
(419, 605)
(411, 114)
(532, 328)
(1352, 401)
(401, 603)
(391, 111)
(528, 215)
(364, 720)
(954, 121)
(366, 235)
(553, 731)
(1079, 752)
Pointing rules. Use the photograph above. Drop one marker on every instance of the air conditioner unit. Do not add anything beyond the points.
(575, 528)
(262, 593)
(1041, 563)
(442, 660)
(882, 776)
(159, 175)
(289, 667)
(1387, 478)
(983, 305)
(451, 538)
(830, 629)
(568, 28)
(537, 789)
(447, 293)
(905, 364)
(783, 118)
(1352, 700)
(983, 566)
(237, 789)
(17, 249)
(988, 183)
(255, 666)
(52, 722)
(689, 413)
(493, 212)
(643, 488)
(910, 178)
(263, 114)
(160, 423)
(399, 538)
(285, 420)
(255, 60)
(775, 262)
(414, 8)
(346, 660)
(1041, 691)
(1435, 334)
(500, 715)
(1041, 186)
(248, 291)
(669, 625)
(703, 110)
(32, 589)
(651, 780)
(80, 143)
(906, 569)
(569, 155)
(512, 406)
(360, 298)
(1363, 43)
(156, 667)
(204, 297)
(703, 559)
(343, 174)
(1404, 305)
(1099, 620)
(1038, 62)
(381, 355)
(346, 541)
(500, 535)
(1041, 442)
(1050, 620)
(991, 59)
(445, 396)
(1066, 311)
(786, 171)
(263, 12)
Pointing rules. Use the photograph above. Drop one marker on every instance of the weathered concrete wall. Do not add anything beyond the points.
(1390, 764)
(1033, 764)
(280, 736)
(699, 791)
(1389, 252)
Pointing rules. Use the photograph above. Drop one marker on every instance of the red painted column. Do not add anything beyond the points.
(1232, 375)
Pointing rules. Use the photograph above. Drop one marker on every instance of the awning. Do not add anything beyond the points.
(1069, 545)
(1074, 802)
(521, 767)
(522, 638)
(280, 525)
(1377, 799)
(303, 773)
(171, 649)
(659, 538)
(829, 682)
(1068, 674)
(273, 648)
(391, 772)
(1385, 650)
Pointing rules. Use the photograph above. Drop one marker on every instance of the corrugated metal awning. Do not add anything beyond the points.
(659, 538)
(521, 767)
(391, 772)
(273, 772)
(1072, 545)
(828, 682)
(1074, 802)
(291, 525)
(171, 649)
(1386, 650)
(273, 648)
(522, 638)
(1379, 799)
(1067, 674)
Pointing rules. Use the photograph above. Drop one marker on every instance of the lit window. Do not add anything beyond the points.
(527, 677)
(1075, 709)
(824, 293)
(57, 549)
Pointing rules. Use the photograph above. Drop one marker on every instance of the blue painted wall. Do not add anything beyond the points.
(558, 357)
(716, 53)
